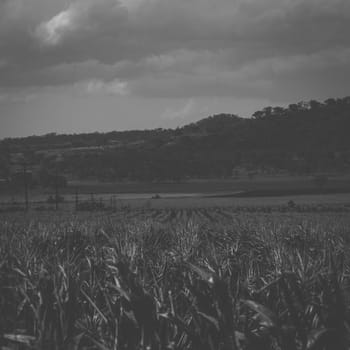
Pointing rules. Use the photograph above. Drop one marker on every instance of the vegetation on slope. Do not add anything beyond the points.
(301, 138)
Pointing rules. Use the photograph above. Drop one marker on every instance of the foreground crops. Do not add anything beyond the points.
(153, 279)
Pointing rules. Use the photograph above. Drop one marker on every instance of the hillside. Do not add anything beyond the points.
(302, 138)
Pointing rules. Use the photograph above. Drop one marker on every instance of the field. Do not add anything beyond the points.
(196, 192)
(219, 277)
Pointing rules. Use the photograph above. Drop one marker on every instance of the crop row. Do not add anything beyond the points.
(175, 279)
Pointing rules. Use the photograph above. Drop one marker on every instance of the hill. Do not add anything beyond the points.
(306, 137)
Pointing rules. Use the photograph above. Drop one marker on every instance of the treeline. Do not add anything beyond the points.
(306, 137)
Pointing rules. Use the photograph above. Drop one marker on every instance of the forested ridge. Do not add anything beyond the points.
(306, 137)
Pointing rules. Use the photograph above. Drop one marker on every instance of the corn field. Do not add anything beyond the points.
(210, 279)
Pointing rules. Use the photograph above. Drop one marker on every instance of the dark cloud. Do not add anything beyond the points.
(158, 48)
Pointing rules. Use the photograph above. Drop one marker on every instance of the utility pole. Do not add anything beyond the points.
(76, 199)
(57, 181)
(56, 190)
(114, 202)
(25, 182)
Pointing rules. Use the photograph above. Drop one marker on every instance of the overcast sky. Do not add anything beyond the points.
(97, 65)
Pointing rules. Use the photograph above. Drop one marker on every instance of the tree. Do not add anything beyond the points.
(320, 181)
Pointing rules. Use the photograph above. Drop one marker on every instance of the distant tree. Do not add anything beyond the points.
(5, 167)
(315, 105)
(47, 179)
(320, 181)
(19, 177)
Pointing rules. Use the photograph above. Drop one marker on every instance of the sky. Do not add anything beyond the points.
(71, 66)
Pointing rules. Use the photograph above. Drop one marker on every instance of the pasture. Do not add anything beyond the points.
(218, 277)
(241, 191)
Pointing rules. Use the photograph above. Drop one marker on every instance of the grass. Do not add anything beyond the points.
(175, 279)
(331, 202)
(284, 185)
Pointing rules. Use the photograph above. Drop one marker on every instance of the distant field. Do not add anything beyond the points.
(259, 191)
(331, 200)
(258, 183)
(268, 193)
